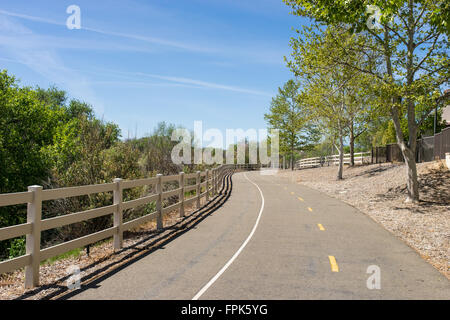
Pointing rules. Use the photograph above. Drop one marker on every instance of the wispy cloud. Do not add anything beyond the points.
(255, 53)
(205, 84)
(30, 18)
(56, 42)
(153, 40)
(44, 61)
(135, 84)
(173, 81)
(188, 81)
(147, 39)
(38, 53)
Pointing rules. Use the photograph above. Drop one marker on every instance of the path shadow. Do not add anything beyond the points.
(376, 170)
(158, 240)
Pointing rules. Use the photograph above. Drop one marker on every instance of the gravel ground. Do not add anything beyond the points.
(102, 258)
(379, 191)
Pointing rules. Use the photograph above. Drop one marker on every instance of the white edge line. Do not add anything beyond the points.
(225, 267)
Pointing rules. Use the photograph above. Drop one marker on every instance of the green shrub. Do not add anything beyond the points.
(17, 248)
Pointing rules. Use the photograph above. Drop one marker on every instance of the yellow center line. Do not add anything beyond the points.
(292, 193)
(333, 263)
(321, 227)
(301, 199)
(310, 209)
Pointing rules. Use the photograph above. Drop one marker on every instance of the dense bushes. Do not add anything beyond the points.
(50, 141)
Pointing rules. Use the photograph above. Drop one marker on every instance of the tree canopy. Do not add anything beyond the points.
(288, 113)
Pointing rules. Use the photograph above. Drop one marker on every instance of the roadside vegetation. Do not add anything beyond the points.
(369, 79)
(47, 139)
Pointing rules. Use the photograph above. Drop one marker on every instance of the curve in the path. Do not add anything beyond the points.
(276, 239)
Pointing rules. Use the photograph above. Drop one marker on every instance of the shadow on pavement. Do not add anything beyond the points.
(158, 241)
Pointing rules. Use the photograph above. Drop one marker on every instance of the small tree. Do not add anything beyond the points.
(337, 94)
(289, 115)
(326, 101)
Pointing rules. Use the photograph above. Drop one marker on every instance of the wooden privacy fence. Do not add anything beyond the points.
(360, 158)
(388, 153)
(35, 225)
(441, 144)
(427, 149)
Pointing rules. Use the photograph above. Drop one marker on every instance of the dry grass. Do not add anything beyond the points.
(380, 190)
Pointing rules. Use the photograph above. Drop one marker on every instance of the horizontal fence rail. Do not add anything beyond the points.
(428, 149)
(359, 157)
(211, 184)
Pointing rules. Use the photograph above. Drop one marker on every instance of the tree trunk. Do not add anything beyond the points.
(409, 154)
(352, 145)
(412, 183)
(341, 157)
(292, 158)
(341, 152)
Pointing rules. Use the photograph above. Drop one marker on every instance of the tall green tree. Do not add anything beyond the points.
(289, 115)
(412, 38)
(338, 96)
(327, 102)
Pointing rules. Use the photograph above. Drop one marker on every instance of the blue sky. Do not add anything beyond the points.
(141, 62)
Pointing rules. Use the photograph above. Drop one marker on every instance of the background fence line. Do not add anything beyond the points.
(428, 149)
(360, 158)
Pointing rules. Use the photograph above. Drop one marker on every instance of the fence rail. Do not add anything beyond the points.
(360, 158)
(35, 224)
(428, 149)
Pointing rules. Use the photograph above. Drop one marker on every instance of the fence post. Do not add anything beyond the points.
(219, 180)
(199, 189)
(181, 194)
(118, 214)
(388, 153)
(213, 177)
(216, 181)
(159, 223)
(447, 159)
(207, 185)
(33, 240)
(371, 154)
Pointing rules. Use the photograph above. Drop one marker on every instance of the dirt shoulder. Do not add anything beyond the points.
(380, 190)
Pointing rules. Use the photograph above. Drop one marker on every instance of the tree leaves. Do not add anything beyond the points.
(289, 114)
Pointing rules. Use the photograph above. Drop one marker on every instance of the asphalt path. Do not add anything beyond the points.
(276, 239)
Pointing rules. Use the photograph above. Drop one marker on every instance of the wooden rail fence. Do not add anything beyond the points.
(360, 158)
(35, 224)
